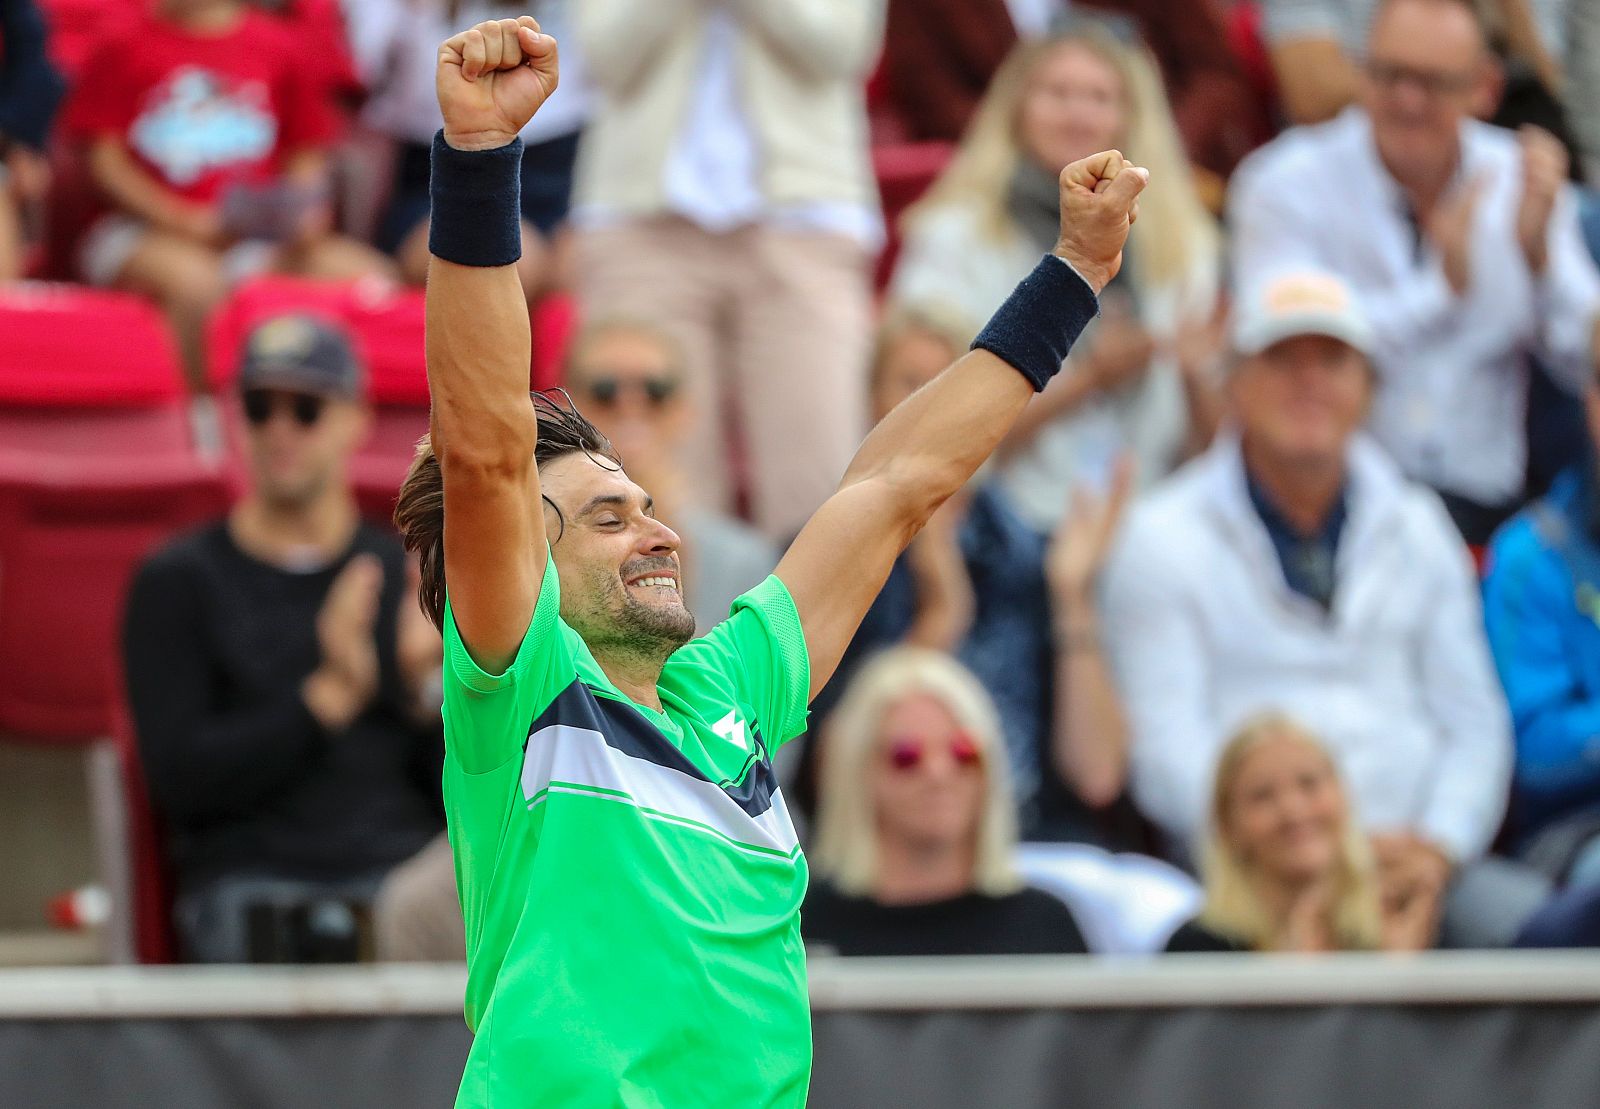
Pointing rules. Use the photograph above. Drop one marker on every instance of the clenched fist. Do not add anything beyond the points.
(492, 78)
(1099, 202)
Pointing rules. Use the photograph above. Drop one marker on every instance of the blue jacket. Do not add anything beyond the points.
(1542, 608)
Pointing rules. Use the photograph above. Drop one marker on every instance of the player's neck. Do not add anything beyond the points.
(635, 676)
(916, 874)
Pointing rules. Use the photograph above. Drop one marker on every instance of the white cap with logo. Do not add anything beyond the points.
(1294, 303)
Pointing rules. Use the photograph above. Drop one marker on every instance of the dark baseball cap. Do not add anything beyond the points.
(301, 353)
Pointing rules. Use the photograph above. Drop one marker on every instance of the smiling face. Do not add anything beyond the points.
(1428, 69)
(1074, 105)
(1284, 812)
(1300, 400)
(621, 588)
(927, 776)
(298, 445)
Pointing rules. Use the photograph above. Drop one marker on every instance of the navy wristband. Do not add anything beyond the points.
(477, 204)
(1037, 325)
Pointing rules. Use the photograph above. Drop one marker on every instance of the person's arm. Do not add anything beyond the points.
(945, 603)
(1467, 792)
(1163, 668)
(30, 88)
(820, 38)
(132, 189)
(1316, 78)
(203, 764)
(620, 38)
(1527, 602)
(931, 443)
(491, 79)
(1089, 740)
(1569, 295)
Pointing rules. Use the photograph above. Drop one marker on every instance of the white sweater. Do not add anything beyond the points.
(1204, 632)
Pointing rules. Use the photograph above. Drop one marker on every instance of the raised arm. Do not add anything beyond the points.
(931, 443)
(490, 79)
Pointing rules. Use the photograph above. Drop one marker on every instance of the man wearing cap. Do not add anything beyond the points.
(1293, 568)
(275, 665)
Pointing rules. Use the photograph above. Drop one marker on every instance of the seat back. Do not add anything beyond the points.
(72, 532)
(65, 347)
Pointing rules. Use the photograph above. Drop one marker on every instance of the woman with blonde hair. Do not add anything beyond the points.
(1286, 867)
(1141, 374)
(916, 828)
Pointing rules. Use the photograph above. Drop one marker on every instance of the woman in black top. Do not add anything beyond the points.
(1286, 868)
(916, 825)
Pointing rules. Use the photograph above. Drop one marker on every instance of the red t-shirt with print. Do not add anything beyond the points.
(203, 112)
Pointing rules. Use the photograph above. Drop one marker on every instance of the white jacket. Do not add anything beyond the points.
(950, 263)
(802, 66)
(1397, 681)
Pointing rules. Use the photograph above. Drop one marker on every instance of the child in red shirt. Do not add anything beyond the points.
(207, 128)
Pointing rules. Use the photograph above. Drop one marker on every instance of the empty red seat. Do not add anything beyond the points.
(86, 373)
(904, 172)
(67, 346)
(72, 531)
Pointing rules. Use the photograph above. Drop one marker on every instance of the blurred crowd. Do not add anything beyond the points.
(1273, 625)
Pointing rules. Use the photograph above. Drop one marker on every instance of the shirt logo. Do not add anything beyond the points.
(197, 121)
(732, 729)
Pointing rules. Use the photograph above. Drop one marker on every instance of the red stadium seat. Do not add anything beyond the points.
(69, 346)
(72, 531)
(904, 172)
(85, 373)
(385, 323)
(555, 321)
(142, 884)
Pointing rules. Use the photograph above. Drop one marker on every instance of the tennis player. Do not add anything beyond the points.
(628, 872)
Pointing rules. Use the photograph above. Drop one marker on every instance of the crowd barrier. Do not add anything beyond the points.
(1500, 1031)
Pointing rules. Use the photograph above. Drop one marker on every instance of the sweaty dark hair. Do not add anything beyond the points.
(419, 511)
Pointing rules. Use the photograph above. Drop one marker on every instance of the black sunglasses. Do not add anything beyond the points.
(259, 404)
(656, 390)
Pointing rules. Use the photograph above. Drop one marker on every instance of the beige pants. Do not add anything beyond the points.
(416, 917)
(775, 326)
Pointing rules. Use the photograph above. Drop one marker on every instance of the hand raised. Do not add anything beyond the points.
(1083, 538)
(1544, 171)
(1099, 202)
(492, 78)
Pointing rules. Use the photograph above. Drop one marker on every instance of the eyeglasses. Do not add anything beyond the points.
(909, 753)
(1389, 75)
(260, 404)
(656, 390)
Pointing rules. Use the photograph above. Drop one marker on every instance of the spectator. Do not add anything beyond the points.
(1582, 85)
(30, 90)
(1285, 866)
(940, 55)
(1293, 568)
(1462, 240)
(917, 831)
(1318, 46)
(628, 377)
(979, 582)
(985, 222)
(724, 193)
(1541, 603)
(276, 662)
(396, 43)
(207, 135)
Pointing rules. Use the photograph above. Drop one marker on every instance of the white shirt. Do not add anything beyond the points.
(712, 175)
(395, 44)
(1453, 370)
(1204, 633)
